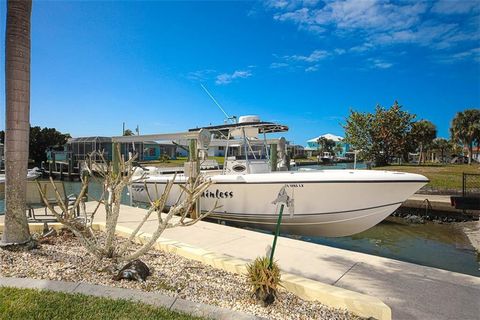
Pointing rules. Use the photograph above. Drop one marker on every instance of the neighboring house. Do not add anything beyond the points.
(80, 148)
(312, 145)
(435, 155)
(216, 151)
(181, 152)
(475, 154)
(216, 148)
(154, 150)
(295, 151)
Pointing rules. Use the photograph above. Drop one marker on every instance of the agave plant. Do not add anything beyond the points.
(264, 279)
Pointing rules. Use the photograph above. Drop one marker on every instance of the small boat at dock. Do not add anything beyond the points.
(329, 203)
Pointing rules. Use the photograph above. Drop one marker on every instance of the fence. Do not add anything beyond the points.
(470, 199)
(471, 185)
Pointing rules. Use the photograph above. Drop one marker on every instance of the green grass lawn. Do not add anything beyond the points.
(33, 304)
(308, 159)
(442, 176)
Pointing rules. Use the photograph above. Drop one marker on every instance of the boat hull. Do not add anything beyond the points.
(317, 225)
(331, 207)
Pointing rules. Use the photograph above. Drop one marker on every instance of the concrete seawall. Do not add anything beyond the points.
(438, 204)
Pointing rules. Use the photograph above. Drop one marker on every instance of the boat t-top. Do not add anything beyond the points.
(329, 203)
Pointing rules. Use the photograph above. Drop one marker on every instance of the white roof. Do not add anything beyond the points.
(328, 136)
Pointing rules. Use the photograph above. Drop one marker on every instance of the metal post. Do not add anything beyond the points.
(277, 231)
(284, 200)
(225, 156)
(116, 157)
(70, 165)
(195, 165)
(273, 157)
(245, 147)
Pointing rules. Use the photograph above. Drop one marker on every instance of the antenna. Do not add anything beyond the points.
(218, 105)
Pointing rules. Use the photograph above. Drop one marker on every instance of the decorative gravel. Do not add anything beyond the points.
(65, 259)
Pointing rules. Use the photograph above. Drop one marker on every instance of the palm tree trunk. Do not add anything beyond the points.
(470, 152)
(420, 155)
(17, 87)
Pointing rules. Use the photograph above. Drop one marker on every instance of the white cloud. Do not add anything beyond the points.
(473, 54)
(308, 63)
(315, 56)
(379, 63)
(379, 23)
(353, 14)
(312, 68)
(277, 3)
(200, 75)
(278, 65)
(290, 4)
(425, 34)
(226, 78)
(373, 14)
(362, 48)
(456, 7)
(220, 78)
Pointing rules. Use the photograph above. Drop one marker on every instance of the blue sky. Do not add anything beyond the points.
(302, 63)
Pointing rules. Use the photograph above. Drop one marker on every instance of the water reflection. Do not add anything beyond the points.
(443, 246)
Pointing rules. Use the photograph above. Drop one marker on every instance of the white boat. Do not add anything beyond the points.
(328, 203)
(34, 173)
(327, 157)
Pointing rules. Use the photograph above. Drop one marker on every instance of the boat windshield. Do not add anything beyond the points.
(252, 152)
(245, 141)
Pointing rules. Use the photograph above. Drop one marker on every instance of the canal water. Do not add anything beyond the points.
(443, 246)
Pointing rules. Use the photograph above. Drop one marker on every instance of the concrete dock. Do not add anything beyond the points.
(433, 202)
(412, 291)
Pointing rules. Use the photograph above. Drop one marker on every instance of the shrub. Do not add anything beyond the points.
(264, 280)
(164, 158)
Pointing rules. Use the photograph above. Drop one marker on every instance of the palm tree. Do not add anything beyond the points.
(442, 145)
(423, 132)
(325, 145)
(128, 132)
(17, 126)
(465, 129)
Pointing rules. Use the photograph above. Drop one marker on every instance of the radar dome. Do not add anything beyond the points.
(251, 118)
